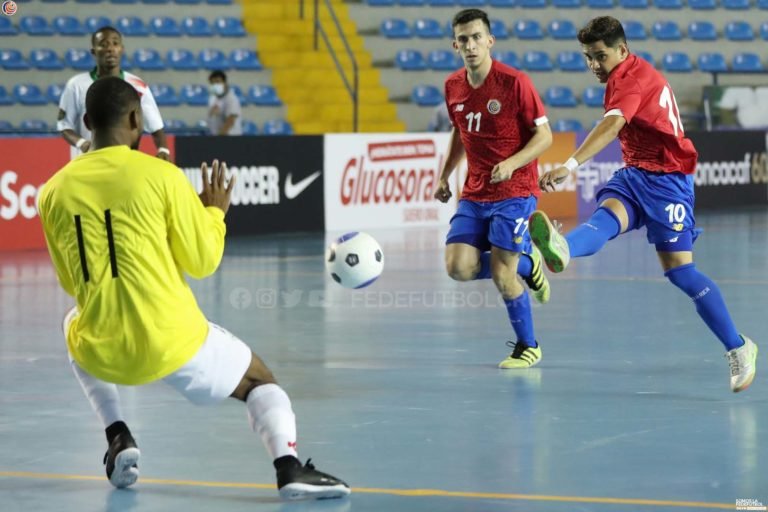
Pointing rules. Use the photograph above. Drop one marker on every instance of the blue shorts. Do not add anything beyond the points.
(502, 224)
(662, 202)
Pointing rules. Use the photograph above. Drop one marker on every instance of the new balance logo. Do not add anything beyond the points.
(459, 108)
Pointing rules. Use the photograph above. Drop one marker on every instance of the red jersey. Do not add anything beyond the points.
(495, 122)
(653, 137)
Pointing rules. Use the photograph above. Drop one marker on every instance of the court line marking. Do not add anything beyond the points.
(394, 492)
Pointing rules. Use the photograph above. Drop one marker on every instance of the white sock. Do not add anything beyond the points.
(271, 416)
(102, 395)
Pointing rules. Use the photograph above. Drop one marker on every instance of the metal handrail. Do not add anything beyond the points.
(354, 88)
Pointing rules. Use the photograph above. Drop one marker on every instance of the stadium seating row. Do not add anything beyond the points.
(153, 2)
(676, 62)
(165, 95)
(162, 26)
(739, 5)
(430, 28)
(146, 59)
(555, 96)
(271, 127)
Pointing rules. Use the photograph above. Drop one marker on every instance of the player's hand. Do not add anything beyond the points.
(502, 172)
(86, 146)
(216, 192)
(554, 177)
(162, 155)
(443, 192)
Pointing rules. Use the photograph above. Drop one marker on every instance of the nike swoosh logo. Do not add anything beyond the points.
(292, 190)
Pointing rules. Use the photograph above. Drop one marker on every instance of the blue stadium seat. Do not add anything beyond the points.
(278, 127)
(196, 26)
(567, 125)
(148, 59)
(666, 31)
(668, 4)
(13, 60)
(380, 3)
(124, 1)
(239, 93)
(472, 3)
(702, 5)
(213, 58)
(528, 29)
(499, 29)
(131, 26)
(125, 63)
(89, 1)
(712, 62)
(263, 95)
(441, 3)
(68, 26)
(593, 96)
(35, 26)
(503, 3)
(562, 29)
(33, 125)
(395, 28)
(764, 30)
(7, 28)
(560, 96)
(411, 3)
(93, 23)
(45, 59)
(245, 60)
(634, 30)
(180, 60)
(633, 4)
(537, 61)
(194, 94)
(507, 57)
(165, 26)
(155, 2)
(566, 4)
(29, 94)
(601, 4)
(5, 98)
(532, 4)
(426, 95)
(762, 4)
(428, 28)
(220, 2)
(53, 1)
(79, 59)
(227, 26)
(444, 60)
(647, 56)
(174, 126)
(410, 60)
(702, 31)
(188, 2)
(736, 5)
(249, 127)
(739, 31)
(746, 62)
(571, 61)
(53, 93)
(6, 126)
(676, 62)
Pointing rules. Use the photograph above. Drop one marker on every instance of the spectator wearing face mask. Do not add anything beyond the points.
(224, 111)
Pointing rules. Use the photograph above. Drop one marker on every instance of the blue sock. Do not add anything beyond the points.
(591, 236)
(524, 266)
(485, 266)
(709, 303)
(519, 311)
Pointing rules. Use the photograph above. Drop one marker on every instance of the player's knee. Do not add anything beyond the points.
(461, 272)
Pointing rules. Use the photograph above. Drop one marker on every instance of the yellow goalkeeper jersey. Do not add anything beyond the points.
(122, 229)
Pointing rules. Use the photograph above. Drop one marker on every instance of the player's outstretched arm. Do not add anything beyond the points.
(539, 143)
(455, 154)
(196, 226)
(600, 136)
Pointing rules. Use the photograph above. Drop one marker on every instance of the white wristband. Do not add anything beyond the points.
(164, 150)
(571, 164)
(79, 143)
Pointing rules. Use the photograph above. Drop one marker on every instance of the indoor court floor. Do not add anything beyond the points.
(396, 389)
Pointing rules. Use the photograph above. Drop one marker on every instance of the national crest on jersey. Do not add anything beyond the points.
(495, 121)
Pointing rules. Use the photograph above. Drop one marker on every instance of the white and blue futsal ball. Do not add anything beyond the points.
(354, 260)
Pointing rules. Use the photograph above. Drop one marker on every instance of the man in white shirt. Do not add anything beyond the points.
(224, 111)
(107, 48)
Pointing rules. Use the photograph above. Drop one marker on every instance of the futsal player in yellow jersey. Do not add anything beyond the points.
(123, 228)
